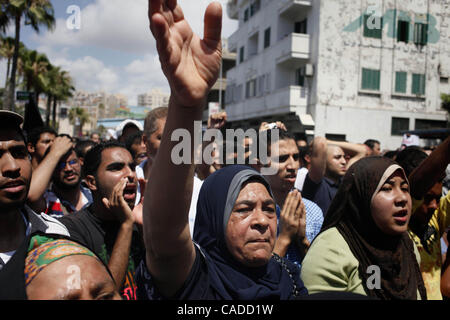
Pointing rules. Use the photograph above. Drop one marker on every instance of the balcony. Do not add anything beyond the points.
(283, 100)
(293, 50)
(291, 9)
(221, 84)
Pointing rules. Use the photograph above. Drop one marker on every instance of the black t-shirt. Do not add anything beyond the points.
(12, 278)
(321, 193)
(196, 286)
(100, 236)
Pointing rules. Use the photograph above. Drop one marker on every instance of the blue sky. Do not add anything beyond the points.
(113, 50)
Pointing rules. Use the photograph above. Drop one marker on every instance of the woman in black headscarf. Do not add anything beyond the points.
(364, 246)
(235, 232)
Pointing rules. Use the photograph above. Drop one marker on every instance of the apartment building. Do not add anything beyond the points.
(216, 95)
(347, 70)
(153, 99)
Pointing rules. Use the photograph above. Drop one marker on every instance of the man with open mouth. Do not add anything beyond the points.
(107, 227)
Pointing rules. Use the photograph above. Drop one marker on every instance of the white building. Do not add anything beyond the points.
(154, 99)
(216, 95)
(339, 68)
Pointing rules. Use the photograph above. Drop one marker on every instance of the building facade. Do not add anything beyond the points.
(153, 99)
(347, 70)
(216, 95)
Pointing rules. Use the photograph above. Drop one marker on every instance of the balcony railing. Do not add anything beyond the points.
(221, 84)
(295, 46)
(293, 8)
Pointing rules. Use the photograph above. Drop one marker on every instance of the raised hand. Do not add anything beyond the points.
(301, 211)
(117, 204)
(60, 146)
(217, 120)
(290, 222)
(190, 64)
(290, 215)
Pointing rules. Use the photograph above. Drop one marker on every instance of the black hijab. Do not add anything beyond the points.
(350, 213)
(229, 278)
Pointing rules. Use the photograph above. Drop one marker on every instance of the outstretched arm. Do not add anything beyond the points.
(430, 170)
(354, 150)
(118, 263)
(191, 66)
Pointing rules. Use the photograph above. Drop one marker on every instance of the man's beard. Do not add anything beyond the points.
(68, 186)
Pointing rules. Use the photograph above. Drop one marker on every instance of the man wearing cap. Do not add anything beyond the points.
(127, 128)
(17, 221)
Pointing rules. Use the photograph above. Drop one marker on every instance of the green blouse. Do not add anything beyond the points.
(330, 265)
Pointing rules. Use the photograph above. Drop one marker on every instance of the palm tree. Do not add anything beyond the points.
(78, 117)
(36, 13)
(7, 52)
(62, 88)
(4, 17)
(50, 90)
(34, 66)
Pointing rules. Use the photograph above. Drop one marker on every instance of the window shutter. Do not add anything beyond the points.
(400, 82)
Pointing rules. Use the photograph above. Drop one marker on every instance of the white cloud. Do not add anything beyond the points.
(121, 26)
(90, 74)
(143, 75)
(110, 24)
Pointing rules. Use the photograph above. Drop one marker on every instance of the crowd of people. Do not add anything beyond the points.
(118, 219)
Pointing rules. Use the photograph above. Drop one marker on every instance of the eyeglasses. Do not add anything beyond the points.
(62, 165)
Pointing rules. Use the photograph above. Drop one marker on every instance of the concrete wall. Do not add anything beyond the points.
(342, 107)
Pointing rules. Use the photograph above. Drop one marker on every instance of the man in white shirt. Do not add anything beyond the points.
(153, 129)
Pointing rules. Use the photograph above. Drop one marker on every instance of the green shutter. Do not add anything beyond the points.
(420, 33)
(365, 79)
(377, 80)
(400, 82)
(370, 79)
(418, 84)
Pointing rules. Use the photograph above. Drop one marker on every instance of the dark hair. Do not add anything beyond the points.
(152, 116)
(81, 146)
(410, 158)
(282, 134)
(93, 157)
(371, 143)
(67, 135)
(132, 140)
(391, 154)
(35, 134)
